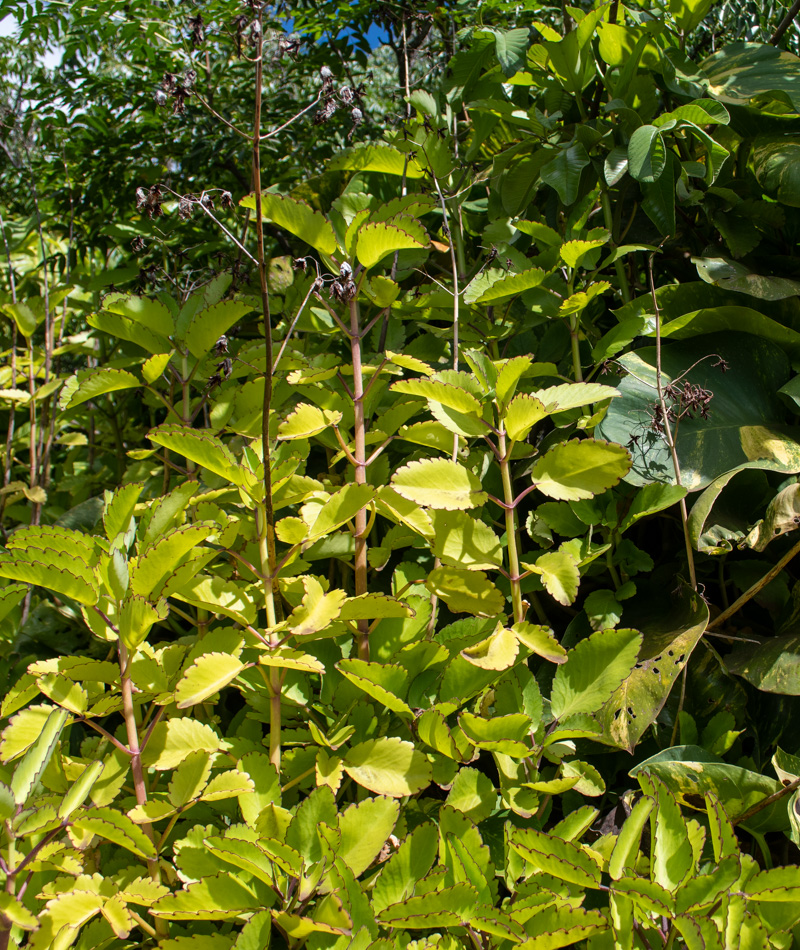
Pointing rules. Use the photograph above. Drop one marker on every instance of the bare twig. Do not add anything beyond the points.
(667, 428)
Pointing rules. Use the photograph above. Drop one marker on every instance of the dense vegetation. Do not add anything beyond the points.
(401, 434)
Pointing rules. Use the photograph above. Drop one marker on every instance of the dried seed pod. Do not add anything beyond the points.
(137, 244)
(197, 30)
(160, 97)
(185, 207)
(325, 73)
(226, 200)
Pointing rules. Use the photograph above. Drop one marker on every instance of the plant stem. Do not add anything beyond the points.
(769, 800)
(751, 592)
(273, 678)
(576, 353)
(139, 783)
(785, 23)
(668, 429)
(512, 539)
(360, 454)
(619, 267)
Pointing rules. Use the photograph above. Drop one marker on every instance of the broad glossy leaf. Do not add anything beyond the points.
(740, 71)
(772, 666)
(388, 766)
(672, 626)
(595, 669)
(690, 772)
(733, 276)
(297, 218)
(745, 416)
(563, 171)
(650, 500)
(580, 469)
(409, 864)
(647, 154)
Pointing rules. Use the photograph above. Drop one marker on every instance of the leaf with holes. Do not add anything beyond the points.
(594, 670)
(672, 626)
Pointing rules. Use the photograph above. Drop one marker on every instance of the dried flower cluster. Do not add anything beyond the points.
(350, 98)
(343, 289)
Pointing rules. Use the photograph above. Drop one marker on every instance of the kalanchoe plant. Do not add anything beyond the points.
(369, 589)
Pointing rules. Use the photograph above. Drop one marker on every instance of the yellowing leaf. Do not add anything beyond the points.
(379, 238)
(466, 591)
(317, 610)
(497, 652)
(209, 673)
(523, 412)
(388, 766)
(574, 470)
(307, 420)
(559, 573)
(439, 483)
